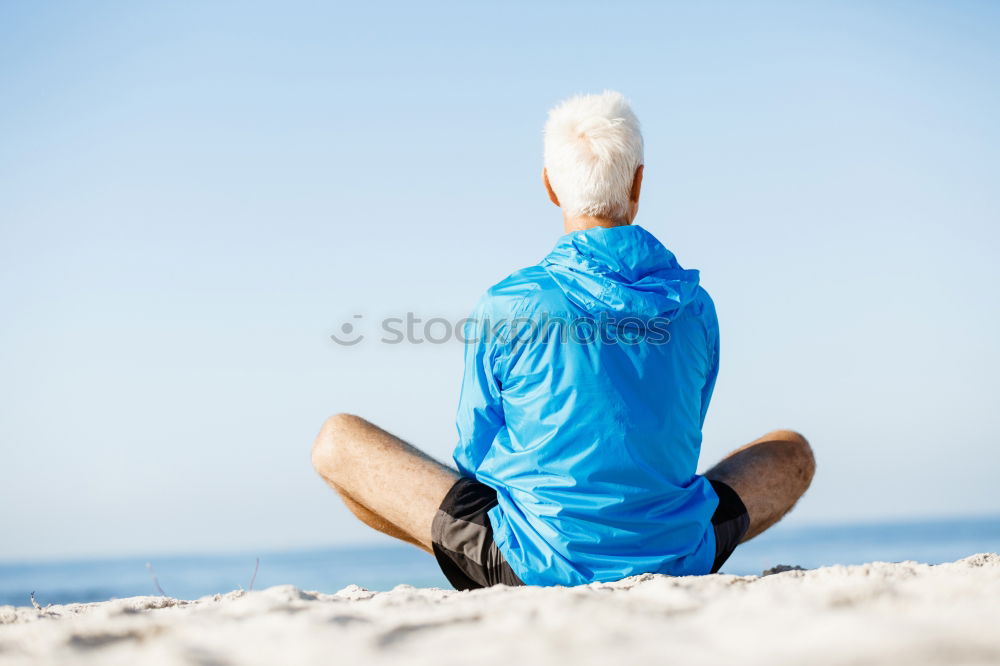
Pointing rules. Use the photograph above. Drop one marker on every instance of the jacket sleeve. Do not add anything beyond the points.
(480, 410)
(712, 328)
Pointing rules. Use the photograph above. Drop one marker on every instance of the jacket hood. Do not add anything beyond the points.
(622, 271)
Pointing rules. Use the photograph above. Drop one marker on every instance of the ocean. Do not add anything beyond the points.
(385, 566)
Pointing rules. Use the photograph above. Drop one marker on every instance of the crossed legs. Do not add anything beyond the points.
(396, 489)
(388, 484)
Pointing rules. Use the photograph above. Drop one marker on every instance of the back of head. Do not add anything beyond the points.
(593, 146)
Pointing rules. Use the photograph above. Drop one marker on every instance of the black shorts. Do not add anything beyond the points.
(462, 536)
(730, 522)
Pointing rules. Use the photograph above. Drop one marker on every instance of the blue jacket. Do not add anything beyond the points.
(587, 379)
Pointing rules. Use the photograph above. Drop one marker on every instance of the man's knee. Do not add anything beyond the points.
(799, 450)
(333, 438)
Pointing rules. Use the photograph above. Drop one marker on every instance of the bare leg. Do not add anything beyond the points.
(372, 519)
(769, 474)
(388, 484)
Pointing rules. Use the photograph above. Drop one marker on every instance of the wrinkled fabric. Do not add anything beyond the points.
(587, 380)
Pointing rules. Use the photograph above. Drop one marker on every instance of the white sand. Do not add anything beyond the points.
(878, 613)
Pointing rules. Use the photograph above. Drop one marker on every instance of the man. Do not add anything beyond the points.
(587, 380)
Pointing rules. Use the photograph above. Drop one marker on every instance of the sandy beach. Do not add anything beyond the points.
(879, 613)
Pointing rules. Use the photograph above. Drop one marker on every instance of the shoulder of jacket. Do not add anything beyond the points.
(519, 292)
(706, 299)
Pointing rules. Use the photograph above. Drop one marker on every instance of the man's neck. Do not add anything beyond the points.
(582, 222)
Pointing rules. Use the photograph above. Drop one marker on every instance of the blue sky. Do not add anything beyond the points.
(193, 196)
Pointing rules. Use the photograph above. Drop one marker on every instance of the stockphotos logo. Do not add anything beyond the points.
(545, 328)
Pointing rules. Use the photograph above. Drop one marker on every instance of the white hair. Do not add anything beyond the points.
(593, 146)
